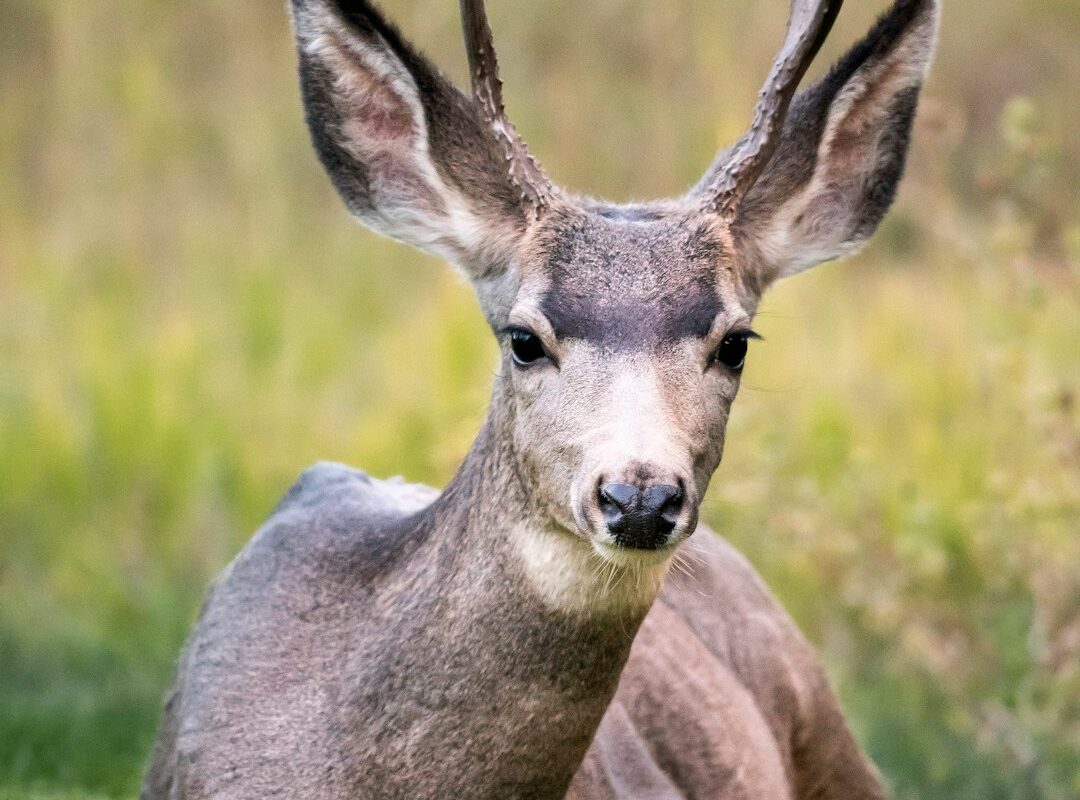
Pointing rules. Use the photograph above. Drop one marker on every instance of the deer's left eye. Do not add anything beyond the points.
(732, 351)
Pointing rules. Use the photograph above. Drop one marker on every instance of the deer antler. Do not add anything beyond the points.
(525, 171)
(809, 23)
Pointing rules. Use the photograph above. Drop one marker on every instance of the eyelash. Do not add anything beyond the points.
(731, 352)
(526, 348)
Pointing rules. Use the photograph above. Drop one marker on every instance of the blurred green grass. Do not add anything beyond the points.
(188, 319)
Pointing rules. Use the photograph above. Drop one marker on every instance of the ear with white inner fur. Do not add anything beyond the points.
(842, 152)
(407, 151)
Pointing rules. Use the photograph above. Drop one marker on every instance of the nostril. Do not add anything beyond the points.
(672, 507)
(617, 499)
(665, 502)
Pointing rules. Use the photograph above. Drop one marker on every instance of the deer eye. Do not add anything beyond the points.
(732, 351)
(526, 347)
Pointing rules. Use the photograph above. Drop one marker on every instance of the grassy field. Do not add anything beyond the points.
(188, 319)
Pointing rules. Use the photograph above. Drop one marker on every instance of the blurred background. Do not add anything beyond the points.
(188, 319)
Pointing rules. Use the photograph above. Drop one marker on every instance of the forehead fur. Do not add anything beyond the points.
(630, 277)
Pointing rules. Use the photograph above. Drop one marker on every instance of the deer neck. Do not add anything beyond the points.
(532, 632)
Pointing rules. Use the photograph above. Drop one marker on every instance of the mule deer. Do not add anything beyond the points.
(516, 635)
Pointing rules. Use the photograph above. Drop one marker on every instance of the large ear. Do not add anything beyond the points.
(841, 153)
(409, 153)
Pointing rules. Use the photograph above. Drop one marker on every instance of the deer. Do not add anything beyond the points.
(545, 626)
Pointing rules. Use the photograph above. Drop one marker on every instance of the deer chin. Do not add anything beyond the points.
(576, 574)
(632, 558)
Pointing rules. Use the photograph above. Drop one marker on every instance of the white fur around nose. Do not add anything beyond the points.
(629, 423)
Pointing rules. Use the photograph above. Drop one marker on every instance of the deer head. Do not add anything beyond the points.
(623, 328)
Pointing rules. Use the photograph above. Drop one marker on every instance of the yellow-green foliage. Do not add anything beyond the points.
(188, 319)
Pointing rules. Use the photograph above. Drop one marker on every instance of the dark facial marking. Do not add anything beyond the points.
(630, 283)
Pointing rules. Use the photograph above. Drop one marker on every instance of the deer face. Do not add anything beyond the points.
(623, 329)
(623, 348)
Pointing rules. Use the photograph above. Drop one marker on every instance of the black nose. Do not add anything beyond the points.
(640, 518)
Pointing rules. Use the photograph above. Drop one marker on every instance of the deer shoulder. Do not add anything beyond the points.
(278, 620)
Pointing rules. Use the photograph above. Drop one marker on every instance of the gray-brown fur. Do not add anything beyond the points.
(614, 280)
(378, 639)
(323, 668)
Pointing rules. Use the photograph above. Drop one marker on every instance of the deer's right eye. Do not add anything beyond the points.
(526, 348)
(732, 351)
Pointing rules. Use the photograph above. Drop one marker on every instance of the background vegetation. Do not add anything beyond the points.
(188, 319)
